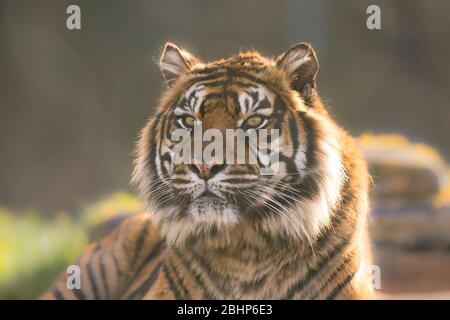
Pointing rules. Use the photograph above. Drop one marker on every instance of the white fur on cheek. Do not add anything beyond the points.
(306, 217)
(315, 212)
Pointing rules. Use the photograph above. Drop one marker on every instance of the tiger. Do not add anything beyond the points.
(216, 230)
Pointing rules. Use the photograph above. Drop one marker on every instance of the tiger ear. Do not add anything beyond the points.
(175, 61)
(301, 65)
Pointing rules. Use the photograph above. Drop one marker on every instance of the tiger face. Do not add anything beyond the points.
(272, 99)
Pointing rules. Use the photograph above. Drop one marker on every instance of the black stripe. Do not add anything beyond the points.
(165, 159)
(140, 242)
(202, 78)
(179, 280)
(254, 69)
(263, 104)
(336, 219)
(213, 275)
(117, 265)
(193, 99)
(212, 96)
(255, 283)
(92, 281)
(172, 286)
(234, 96)
(156, 250)
(207, 71)
(198, 279)
(335, 292)
(312, 272)
(246, 85)
(331, 277)
(239, 180)
(248, 76)
(182, 104)
(104, 278)
(79, 294)
(310, 127)
(309, 186)
(256, 66)
(293, 127)
(290, 168)
(91, 274)
(215, 83)
(232, 73)
(153, 254)
(150, 160)
(146, 285)
(58, 294)
(163, 132)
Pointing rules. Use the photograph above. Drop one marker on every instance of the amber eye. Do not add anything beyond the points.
(187, 121)
(256, 122)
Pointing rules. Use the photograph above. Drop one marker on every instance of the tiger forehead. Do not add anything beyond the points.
(236, 96)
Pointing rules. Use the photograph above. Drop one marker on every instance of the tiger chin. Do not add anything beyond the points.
(224, 230)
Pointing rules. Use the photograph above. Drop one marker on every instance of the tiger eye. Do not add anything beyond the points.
(189, 121)
(254, 121)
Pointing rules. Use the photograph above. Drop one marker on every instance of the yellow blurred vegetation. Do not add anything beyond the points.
(35, 250)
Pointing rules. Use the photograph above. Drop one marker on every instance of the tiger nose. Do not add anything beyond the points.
(207, 170)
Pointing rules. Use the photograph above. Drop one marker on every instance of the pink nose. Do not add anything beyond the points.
(206, 170)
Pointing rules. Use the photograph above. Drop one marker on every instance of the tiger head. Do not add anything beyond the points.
(253, 93)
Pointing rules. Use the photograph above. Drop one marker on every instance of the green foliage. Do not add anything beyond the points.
(34, 251)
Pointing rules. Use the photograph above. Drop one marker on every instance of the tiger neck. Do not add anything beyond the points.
(247, 265)
(246, 243)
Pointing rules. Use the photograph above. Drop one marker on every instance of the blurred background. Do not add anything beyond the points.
(72, 103)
